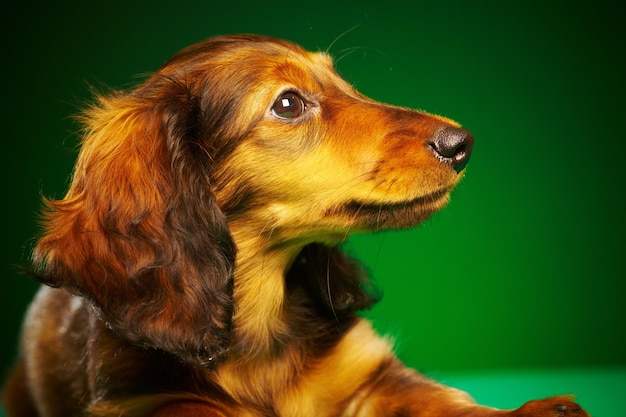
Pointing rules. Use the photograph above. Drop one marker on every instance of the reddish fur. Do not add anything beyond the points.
(196, 251)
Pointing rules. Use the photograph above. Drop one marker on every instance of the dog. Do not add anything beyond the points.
(194, 267)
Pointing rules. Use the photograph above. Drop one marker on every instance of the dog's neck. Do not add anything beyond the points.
(259, 292)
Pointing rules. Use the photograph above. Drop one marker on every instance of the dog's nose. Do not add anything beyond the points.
(453, 146)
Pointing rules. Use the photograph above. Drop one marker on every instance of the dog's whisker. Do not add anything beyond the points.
(341, 35)
(347, 51)
(373, 162)
(330, 296)
(345, 55)
(387, 192)
(267, 223)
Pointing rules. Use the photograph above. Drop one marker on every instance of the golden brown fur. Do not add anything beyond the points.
(196, 254)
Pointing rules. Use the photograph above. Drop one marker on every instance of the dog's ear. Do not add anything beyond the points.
(140, 233)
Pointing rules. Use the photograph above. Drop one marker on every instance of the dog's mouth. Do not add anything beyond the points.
(395, 215)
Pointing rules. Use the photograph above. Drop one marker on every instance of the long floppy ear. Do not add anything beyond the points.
(139, 232)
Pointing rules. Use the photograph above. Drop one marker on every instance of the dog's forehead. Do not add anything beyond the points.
(312, 72)
(259, 66)
(309, 66)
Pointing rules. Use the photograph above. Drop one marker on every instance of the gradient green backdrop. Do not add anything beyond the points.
(523, 270)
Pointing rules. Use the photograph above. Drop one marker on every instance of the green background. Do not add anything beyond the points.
(523, 270)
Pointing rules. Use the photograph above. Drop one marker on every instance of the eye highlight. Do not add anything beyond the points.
(288, 106)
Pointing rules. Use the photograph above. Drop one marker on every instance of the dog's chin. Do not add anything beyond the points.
(374, 216)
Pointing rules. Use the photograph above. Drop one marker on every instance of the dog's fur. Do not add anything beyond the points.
(194, 260)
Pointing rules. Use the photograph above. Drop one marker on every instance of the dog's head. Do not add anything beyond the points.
(320, 160)
(243, 142)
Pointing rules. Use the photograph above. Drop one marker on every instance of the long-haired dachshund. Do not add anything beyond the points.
(193, 268)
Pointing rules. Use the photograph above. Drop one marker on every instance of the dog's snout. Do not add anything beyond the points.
(453, 146)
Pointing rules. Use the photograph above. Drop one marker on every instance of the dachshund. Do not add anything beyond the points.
(195, 265)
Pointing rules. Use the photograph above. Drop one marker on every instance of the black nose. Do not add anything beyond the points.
(453, 146)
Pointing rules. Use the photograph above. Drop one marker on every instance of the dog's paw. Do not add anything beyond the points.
(561, 406)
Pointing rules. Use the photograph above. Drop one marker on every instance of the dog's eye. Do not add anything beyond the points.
(288, 106)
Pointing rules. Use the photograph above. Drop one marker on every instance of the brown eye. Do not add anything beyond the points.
(288, 106)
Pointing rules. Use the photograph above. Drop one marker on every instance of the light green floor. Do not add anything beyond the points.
(602, 392)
